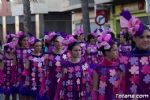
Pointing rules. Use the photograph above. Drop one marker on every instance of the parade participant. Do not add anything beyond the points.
(137, 63)
(9, 71)
(74, 82)
(22, 53)
(80, 37)
(106, 77)
(56, 57)
(92, 55)
(34, 73)
(124, 45)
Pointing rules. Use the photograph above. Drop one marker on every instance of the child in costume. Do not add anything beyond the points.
(56, 56)
(106, 76)
(74, 84)
(22, 54)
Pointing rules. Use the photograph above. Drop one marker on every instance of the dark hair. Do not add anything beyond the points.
(20, 39)
(54, 38)
(70, 46)
(104, 51)
(75, 36)
(112, 35)
(146, 28)
(37, 40)
(90, 36)
(10, 38)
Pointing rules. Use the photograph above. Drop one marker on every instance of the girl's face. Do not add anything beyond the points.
(57, 43)
(143, 41)
(81, 37)
(24, 42)
(76, 52)
(113, 53)
(38, 46)
(92, 41)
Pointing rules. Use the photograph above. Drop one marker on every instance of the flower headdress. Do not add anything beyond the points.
(10, 44)
(133, 24)
(31, 39)
(48, 37)
(104, 40)
(68, 40)
(20, 34)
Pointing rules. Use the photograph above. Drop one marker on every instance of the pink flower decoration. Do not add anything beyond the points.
(57, 63)
(133, 25)
(134, 69)
(70, 69)
(144, 60)
(124, 59)
(134, 79)
(102, 84)
(68, 40)
(40, 69)
(112, 72)
(103, 78)
(19, 34)
(146, 70)
(51, 35)
(77, 68)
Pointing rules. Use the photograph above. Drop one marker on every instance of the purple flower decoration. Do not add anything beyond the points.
(112, 80)
(78, 74)
(70, 75)
(133, 88)
(102, 90)
(57, 58)
(147, 79)
(64, 83)
(69, 94)
(144, 60)
(133, 60)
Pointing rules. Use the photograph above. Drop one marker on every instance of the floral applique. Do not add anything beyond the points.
(146, 69)
(85, 66)
(134, 69)
(102, 91)
(57, 58)
(134, 61)
(123, 59)
(64, 56)
(112, 72)
(103, 78)
(133, 88)
(70, 69)
(134, 79)
(78, 74)
(147, 79)
(144, 60)
(102, 84)
(112, 80)
(77, 68)
(57, 63)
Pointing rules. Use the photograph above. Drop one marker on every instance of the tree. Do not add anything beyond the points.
(27, 16)
(85, 14)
